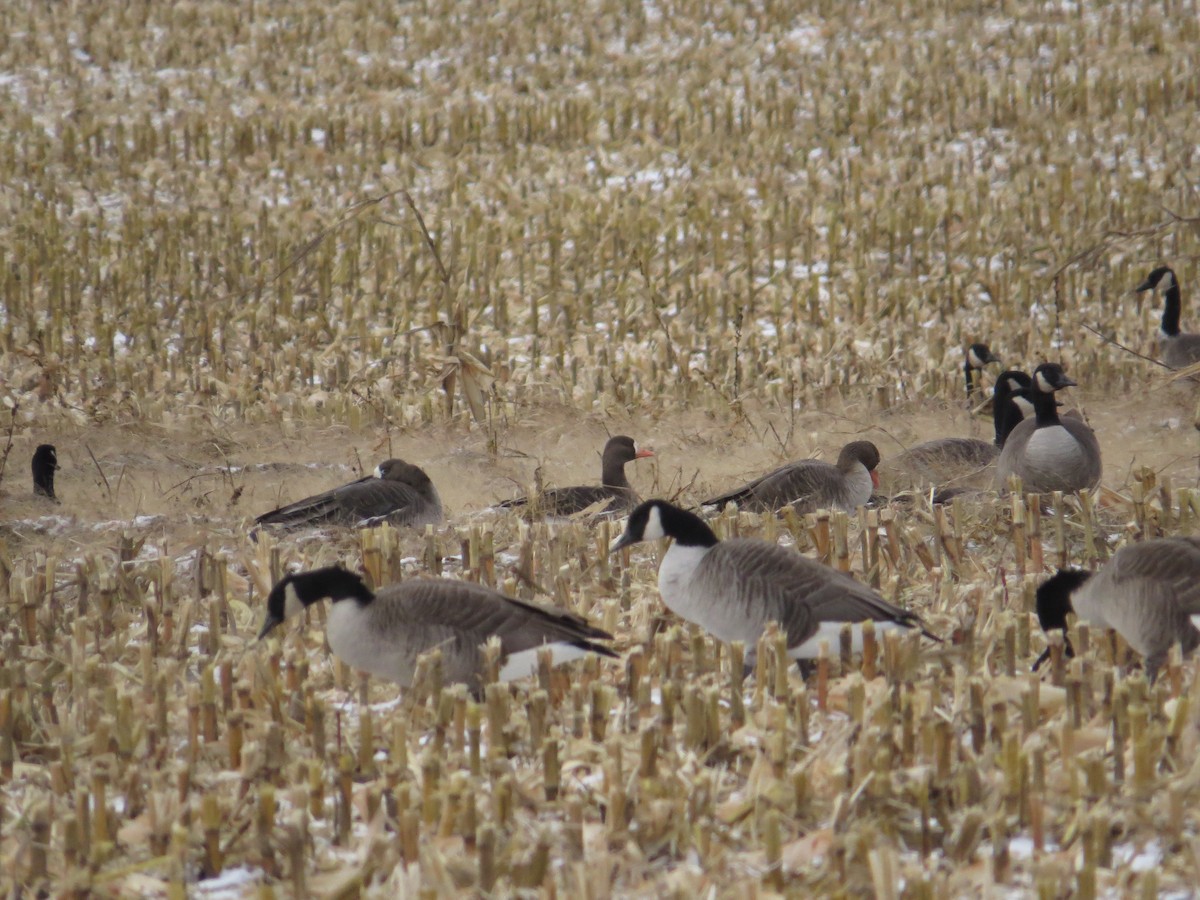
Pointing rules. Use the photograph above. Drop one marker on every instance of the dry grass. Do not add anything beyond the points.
(740, 233)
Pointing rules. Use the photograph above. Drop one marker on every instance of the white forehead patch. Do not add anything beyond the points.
(291, 601)
(378, 473)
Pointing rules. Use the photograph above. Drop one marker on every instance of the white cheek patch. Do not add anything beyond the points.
(1168, 281)
(654, 526)
(378, 473)
(1195, 621)
(1024, 406)
(1043, 385)
(973, 358)
(291, 601)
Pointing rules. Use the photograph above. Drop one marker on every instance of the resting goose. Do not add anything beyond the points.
(1179, 349)
(953, 464)
(977, 357)
(44, 464)
(384, 632)
(398, 492)
(1049, 453)
(812, 484)
(614, 488)
(733, 588)
(1148, 592)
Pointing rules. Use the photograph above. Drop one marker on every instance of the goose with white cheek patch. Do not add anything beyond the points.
(812, 484)
(398, 492)
(1049, 453)
(1178, 349)
(385, 631)
(1149, 593)
(733, 588)
(44, 465)
(613, 496)
(978, 356)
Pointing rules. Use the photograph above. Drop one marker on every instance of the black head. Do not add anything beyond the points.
(1153, 279)
(1053, 604)
(1054, 597)
(298, 590)
(45, 462)
(1050, 377)
(656, 519)
(979, 355)
(399, 470)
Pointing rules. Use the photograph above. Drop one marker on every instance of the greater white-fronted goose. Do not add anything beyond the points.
(384, 632)
(614, 490)
(1178, 349)
(733, 588)
(978, 356)
(1049, 453)
(398, 492)
(44, 465)
(1149, 593)
(812, 484)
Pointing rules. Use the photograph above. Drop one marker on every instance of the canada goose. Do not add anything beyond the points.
(383, 632)
(977, 356)
(812, 484)
(1049, 453)
(45, 462)
(1148, 592)
(733, 588)
(1179, 349)
(614, 488)
(397, 492)
(954, 464)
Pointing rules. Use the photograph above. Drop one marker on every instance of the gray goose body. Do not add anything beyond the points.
(1047, 452)
(733, 588)
(614, 490)
(384, 632)
(1178, 349)
(398, 492)
(957, 465)
(1149, 593)
(812, 484)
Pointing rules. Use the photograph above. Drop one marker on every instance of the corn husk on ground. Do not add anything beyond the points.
(249, 252)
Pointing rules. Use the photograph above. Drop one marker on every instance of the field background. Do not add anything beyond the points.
(250, 250)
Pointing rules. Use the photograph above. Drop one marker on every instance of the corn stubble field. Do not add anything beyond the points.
(250, 247)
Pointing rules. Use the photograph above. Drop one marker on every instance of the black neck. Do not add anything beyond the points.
(333, 582)
(687, 528)
(1171, 308)
(968, 370)
(1045, 408)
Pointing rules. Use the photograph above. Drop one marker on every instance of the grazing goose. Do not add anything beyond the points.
(977, 356)
(614, 488)
(45, 462)
(1148, 592)
(384, 632)
(398, 492)
(1179, 349)
(733, 588)
(812, 484)
(1049, 453)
